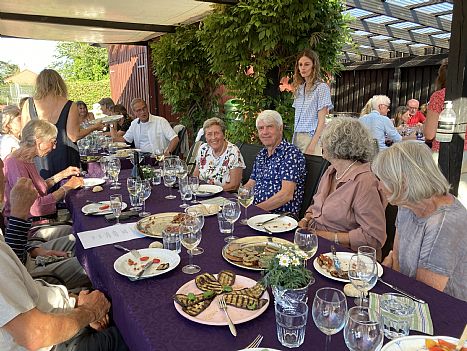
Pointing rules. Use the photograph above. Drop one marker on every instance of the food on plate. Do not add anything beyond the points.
(351, 291)
(245, 298)
(440, 345)
(254, 255)
(327, 264)
(137, 265)
(97, 189)
(156, 224)
(179, 218)
(104, 207)
(156, 245)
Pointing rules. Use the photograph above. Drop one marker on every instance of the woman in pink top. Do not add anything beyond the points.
(38, 139)
(348, 207)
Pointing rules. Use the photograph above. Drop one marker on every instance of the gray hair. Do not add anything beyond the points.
(107, 102)
(214, 121)
(37, 129)
(269, 116)
(8, 114)
(345, 138)
(410, 174)
(379, 100)
(135, 101)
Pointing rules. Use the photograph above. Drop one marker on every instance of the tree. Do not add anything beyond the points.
(81, 61)
(7, 70)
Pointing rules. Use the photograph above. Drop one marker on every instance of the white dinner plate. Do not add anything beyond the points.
(88, 182)
(122, 266)
(213, 315)
(280, 225)
(415, 343)
(119, 144)
(106, 119)
(206, 190)
(205, 210)
(344, 258)
(95, 207)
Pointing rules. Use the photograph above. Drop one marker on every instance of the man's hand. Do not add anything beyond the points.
(74, 183)
(22, 197)
(39, 251)
(96, 303)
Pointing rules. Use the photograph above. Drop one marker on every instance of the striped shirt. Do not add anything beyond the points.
(307, 106)
(16, 237)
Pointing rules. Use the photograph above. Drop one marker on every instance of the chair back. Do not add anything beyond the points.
(249, 152)
(191, 156)
(181, 139)
(315, 167)
(391, 215)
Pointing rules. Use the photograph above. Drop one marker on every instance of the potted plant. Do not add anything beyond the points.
(287, 275)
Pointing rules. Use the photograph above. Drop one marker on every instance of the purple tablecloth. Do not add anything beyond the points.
(94, 168)
(144, 311)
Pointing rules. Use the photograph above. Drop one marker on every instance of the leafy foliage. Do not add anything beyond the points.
(88, 91)
(81, 61)
(7, 70)
(186, 80)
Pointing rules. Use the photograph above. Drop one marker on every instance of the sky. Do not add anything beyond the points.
(34, 55)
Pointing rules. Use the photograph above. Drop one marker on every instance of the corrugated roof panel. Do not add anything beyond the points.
(445, 6)
(405, 3)
(426, 30)
(400, 41)
(446, 17)
(442, 35)
(381, 37)
(418, 45)
(381, 19)
(358, 12)
(361, 32)
(404, 25)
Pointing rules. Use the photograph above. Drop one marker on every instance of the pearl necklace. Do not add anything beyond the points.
(346, 170)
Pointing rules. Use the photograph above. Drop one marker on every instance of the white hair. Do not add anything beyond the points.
(379, 100)
(269, 116)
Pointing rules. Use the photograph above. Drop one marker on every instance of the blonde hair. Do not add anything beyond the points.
(49, 82)
(366, 109)
(315, 72)
(345, 138)
(408, 171)
(37, 129)
(214, 121)
(9, 113)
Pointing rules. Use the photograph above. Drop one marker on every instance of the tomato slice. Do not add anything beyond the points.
(156, 260)
(104, 207)
(144, 258)
(444, 343)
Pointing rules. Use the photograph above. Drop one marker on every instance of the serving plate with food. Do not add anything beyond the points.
(124, 153)
(206, 210)
(154, 225)
(99, 208)
(276, 223)
(106, 119)
(324, 265)
(197, 300)
(205, 190)
(423, 343)
(253, 252)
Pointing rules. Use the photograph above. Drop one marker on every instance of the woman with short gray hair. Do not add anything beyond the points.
(348, 207)
(11, 130)
(430, 239)
(218, 161)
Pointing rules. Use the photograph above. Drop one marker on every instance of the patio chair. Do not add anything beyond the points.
(249, 152)
(191, 156)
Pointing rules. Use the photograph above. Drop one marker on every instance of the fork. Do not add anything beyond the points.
(223, 306)
(132, 251)
(255, 343)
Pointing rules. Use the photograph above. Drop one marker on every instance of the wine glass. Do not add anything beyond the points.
(363, 274)
(245, 198)
(113, 169)
(368, 251)
(194, 183)
(145, 193)
(307, 241)
(182, 169)
(190, 239)
(170, 175)
(363, 330)
(116, 206)
(103, 161)
(329, 311)
(185, 190)
(158, 155)
(231, 212)
(199, 224)
(134, 187)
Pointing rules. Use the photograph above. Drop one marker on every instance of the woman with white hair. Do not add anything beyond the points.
(377, 122)
(430, 239)
(348, 207)
(11, 130)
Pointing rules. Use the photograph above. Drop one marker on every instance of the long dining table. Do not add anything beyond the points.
(144, 310)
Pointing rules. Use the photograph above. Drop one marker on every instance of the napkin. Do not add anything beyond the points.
(421, 320)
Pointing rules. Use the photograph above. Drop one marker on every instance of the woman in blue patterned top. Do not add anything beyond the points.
(312, 102)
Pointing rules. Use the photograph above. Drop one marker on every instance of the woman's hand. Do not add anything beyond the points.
(74, 183)
(70, 171)
(303, 223)
(39, 251)
(388, 260)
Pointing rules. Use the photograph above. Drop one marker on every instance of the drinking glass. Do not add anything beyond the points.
(190, 239)
(170, 175)
(225, 227)
(329, 310)
(363, 274)
(114, 170)
(198, 225)
(245, 198)
(185, 190)
(396, 312)
(291, 323)
(363, 330)
(231, 212)
(158, 155)
(182, 169)
(145, 193)
(134, 187)
(194, 182)
(157, 178)
(307, 241)
(103, 161)
(116, 206)
(368, 251)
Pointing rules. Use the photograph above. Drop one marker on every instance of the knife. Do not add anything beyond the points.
(272, 219)
(401, 291)
(141, 272)
(335, 260)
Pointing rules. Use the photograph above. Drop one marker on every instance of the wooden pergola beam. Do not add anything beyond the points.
(367, 51)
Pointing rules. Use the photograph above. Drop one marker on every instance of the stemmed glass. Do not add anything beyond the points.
(190, 239)
(170, 175)
(363, 274)
(363, 330)
(245, 198)
(307, 241)
(182, 169)
(198, 225)
(103, 161)
(194, 183)
(158, 155)
(185, 191)
(116, 206)
(134, 187)
(145, 193)
(368, 251)
(329, 311)
(231, 212)
(113, 169)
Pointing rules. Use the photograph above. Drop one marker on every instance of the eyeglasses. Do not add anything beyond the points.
(53, 141)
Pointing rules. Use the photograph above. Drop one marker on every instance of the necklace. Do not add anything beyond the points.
(346, 170)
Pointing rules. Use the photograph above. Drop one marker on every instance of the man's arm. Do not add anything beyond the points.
(172, 145)
(280, 198)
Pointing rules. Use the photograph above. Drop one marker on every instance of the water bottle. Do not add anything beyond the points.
(136, 172)
(446, 123)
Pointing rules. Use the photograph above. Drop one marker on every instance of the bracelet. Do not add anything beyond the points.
(64, 190)
(336, 239)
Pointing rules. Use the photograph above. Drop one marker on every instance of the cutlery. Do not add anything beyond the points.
(261, 224)
(462, 339)
(255, 343)
(223, 306)
(204, 192)
(97, 203)
(133, 251)
(141, 272)
(335, 260)
(401, 291)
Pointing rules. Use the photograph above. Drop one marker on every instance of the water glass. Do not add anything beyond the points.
(145, 193)
(116, 206)
(367, 251)
(157, 178)
(171, 241)
(103, 161)
(225, 227)
(363, 330)
(185, 190)
(363, 274)
(291, 323)
(307, 241)
(396, 311)
(231, 212)
(134, 187)
(194, 182)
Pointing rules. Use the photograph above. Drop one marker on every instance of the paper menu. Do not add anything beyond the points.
(109, 235)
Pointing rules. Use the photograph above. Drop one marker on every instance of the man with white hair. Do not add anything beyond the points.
(416, 116)
(279, 170)
(377, 122)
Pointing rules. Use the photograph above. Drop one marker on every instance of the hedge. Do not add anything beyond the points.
(88, 91)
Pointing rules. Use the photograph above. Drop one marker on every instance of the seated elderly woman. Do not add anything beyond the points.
(430, 239)
(219, 161)
(11, 130)
(348, 207)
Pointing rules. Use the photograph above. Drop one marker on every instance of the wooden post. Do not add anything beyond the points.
(450, 154)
